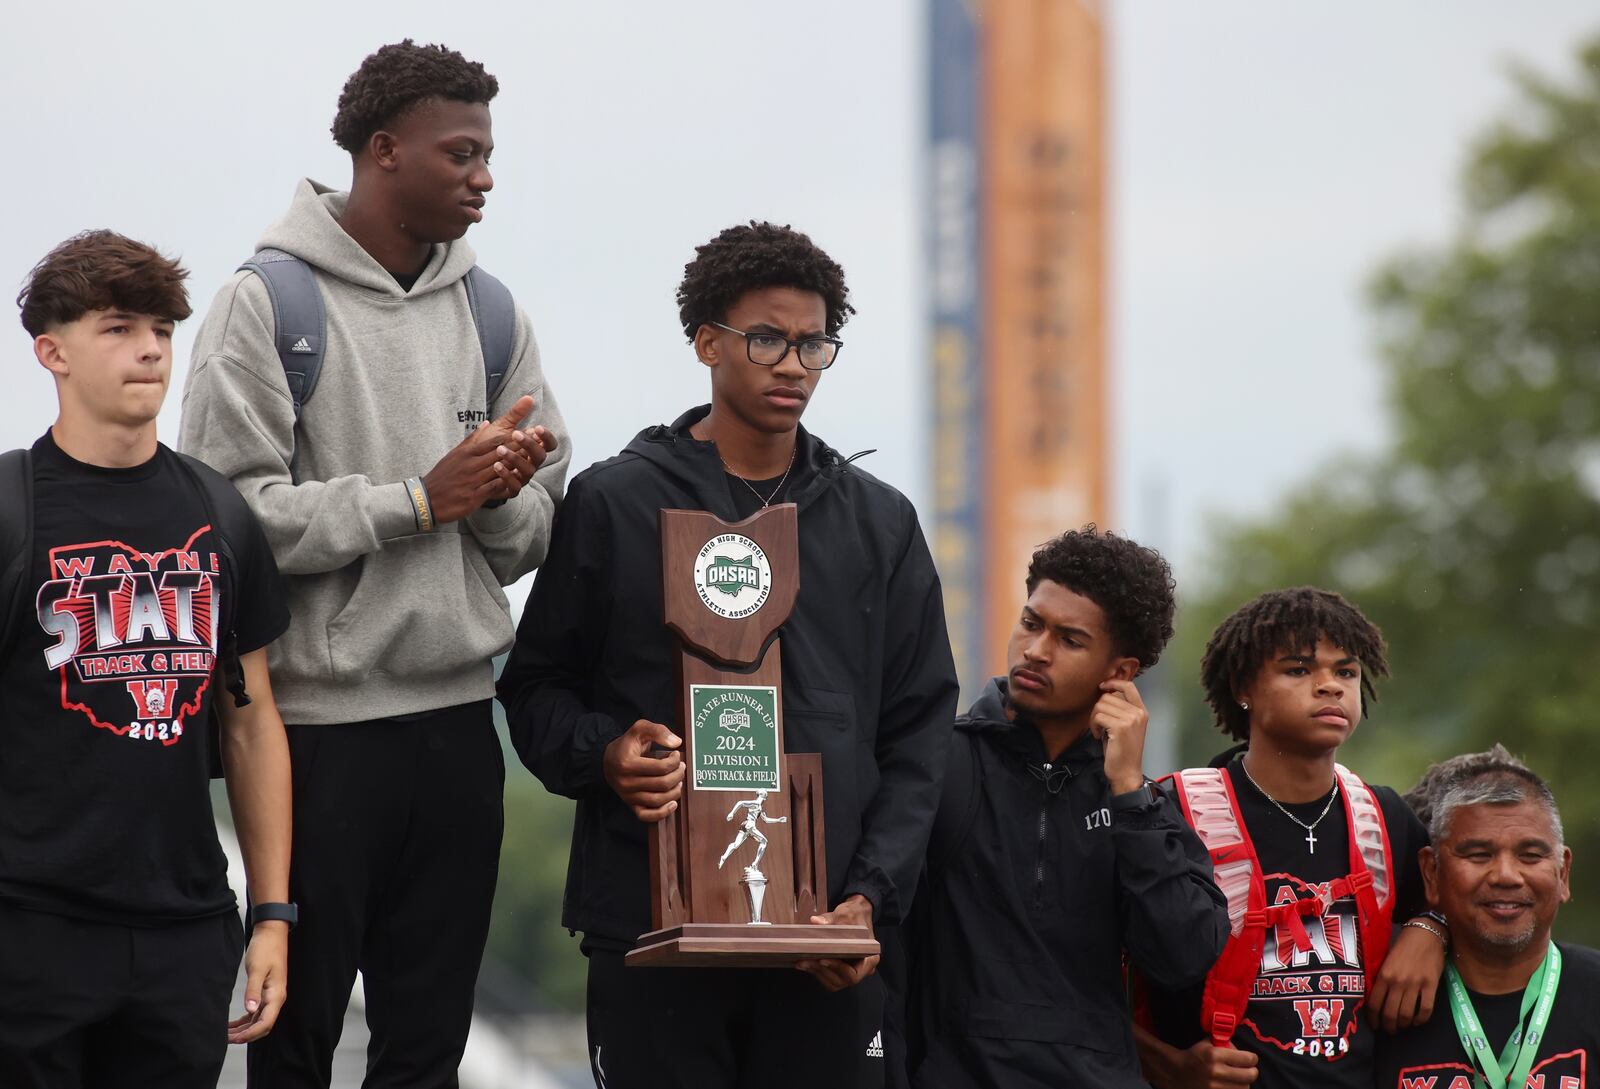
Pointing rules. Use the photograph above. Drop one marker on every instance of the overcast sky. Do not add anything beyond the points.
(1265, 157)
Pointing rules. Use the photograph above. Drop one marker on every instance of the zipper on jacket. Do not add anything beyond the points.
(1044, 827)
(1052, 786)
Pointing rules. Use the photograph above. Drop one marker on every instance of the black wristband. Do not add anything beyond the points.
(272, 913)
(1142, 800)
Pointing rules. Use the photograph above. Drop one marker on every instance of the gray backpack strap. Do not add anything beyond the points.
(495, 314)
(298, 317)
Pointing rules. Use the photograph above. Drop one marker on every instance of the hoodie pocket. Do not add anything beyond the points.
(817, 720)
(422, 607)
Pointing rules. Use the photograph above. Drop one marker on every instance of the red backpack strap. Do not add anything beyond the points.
(1372, 876)
(1206, 797)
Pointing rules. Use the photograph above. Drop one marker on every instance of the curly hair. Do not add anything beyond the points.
(397, 77)
(1132, 584)
(745, 258)
(1280, 620)
(101, 270)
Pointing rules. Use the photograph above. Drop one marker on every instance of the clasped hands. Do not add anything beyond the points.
(492, 463)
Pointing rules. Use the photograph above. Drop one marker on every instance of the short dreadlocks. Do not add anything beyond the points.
(1132, 584)
(746, 258)
(1281, 620)
(396, 78)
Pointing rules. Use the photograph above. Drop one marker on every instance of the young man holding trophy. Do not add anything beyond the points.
(596, 693)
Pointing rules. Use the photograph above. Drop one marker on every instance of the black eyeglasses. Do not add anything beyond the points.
(770, 349)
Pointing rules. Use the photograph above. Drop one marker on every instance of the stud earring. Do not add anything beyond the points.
(1244, 705)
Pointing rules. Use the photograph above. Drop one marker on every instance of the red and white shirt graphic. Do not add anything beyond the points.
(1565, 1071)
(1307, 1001)
(135, 633)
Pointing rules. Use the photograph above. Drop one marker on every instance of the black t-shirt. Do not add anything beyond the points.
(750, 496)
(1430, 1056)
(105, 803)
(1305, 1018)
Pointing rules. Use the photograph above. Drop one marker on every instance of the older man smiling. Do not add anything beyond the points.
(1522, 1005)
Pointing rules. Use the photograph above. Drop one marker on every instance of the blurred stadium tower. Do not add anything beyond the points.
(1017, 233)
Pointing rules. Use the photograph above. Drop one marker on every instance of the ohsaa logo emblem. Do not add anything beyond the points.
(732, 576)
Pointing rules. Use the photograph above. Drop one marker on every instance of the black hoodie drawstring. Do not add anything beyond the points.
(1053, 776)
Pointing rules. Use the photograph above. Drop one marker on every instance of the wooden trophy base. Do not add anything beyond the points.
(742, 945)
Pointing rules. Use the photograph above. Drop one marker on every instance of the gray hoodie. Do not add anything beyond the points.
(387, 620)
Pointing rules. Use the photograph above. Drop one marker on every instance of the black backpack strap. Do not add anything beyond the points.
(16, 540)
(495, 314)
(298, 318)
(227, 638)
(211, 501)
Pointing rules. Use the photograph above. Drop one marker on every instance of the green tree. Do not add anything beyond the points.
(528, 946)
(1474, 542)
(525, 933)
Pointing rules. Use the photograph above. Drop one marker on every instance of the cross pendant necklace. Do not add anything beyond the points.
(1311, 829)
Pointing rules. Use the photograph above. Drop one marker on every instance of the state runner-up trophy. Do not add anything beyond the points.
(737, 871)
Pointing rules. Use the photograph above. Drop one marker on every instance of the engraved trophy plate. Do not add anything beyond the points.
(736, 730)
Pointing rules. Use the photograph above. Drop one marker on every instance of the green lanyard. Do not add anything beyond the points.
(1540, 995)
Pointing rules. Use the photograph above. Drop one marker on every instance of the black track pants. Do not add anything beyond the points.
(397, 827)
(89, 1005)
(729, 1028)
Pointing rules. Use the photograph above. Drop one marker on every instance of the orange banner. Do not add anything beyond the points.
(1044, 295)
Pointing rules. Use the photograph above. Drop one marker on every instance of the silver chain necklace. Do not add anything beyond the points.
(766, 500)
(1311, 829)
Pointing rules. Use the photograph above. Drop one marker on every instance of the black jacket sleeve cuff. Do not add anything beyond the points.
(589, 747)
(866, 879)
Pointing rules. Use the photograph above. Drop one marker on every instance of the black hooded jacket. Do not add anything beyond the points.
(1036, 885)
(868, 680)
